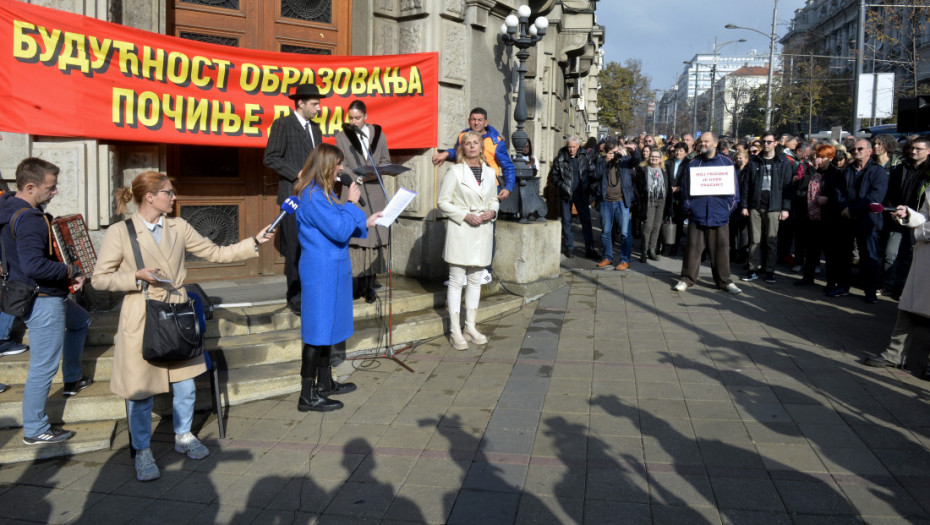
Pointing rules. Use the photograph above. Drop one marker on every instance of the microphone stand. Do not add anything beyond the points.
(389, 352)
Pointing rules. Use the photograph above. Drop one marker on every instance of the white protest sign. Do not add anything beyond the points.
(712, 180)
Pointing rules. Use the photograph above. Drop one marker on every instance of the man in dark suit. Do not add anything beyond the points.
(290, 142)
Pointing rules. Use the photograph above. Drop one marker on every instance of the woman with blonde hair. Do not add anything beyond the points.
(468, 197)
(324, 226)
(163, 243)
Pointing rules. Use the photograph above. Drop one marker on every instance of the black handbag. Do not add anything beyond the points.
(16, 297)
(172, 330)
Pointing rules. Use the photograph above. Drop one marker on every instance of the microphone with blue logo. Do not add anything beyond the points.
(288, 207)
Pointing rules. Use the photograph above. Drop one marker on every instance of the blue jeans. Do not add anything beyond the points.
(57, 328)
(140, 414)
(618, 212)
(6, 325)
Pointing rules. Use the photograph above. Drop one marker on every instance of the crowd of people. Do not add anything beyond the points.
(794, 202)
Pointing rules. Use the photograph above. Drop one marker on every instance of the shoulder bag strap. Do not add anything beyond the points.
(3, 265)
(134, 242)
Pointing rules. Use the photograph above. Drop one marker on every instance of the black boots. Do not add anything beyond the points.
(326, 385)
(310, 397)
(311, 400)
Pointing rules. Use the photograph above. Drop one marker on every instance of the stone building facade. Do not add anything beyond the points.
(476, 69)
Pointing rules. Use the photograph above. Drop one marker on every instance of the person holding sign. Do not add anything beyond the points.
(709, 193)
(325, 225)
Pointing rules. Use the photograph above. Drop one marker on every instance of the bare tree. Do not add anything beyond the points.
(896, 31)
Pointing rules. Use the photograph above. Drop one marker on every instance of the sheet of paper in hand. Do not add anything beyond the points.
(712, 180)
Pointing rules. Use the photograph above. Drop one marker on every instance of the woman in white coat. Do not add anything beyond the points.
(912, 328)
(468, 197)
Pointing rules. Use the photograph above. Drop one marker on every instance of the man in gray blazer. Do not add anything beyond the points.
(290, 142)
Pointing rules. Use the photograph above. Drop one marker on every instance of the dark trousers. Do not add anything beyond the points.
(838, 248)
(580, 200)
(290, 247)
(870, 273)
(810, 236)
(717, 241)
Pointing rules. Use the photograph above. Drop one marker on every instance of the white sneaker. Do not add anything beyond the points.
(146, 469)
(680, 286)
(733, 289)
(486, 277)
(190, 445)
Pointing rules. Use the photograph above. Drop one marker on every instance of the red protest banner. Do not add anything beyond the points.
(68, 75)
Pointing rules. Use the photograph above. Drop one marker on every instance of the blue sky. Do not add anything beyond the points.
(664, 33)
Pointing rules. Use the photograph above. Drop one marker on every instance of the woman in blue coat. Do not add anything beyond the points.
(325, 226)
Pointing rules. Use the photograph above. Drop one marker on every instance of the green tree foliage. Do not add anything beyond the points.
(624, 94)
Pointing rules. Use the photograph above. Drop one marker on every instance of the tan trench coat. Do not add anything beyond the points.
(915, 297)
(459, 195)
(133, 377)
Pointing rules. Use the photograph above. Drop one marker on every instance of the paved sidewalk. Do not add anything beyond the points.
(612, 400)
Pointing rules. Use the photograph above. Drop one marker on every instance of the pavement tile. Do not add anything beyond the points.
(515, 419)
(800, 458)
(830, 436)
(522, 400)
(560, 481)
(684, 452)
(305, 493)
(775, 433)
(730, 455)
(608, 511)
(405, 436)
(882, 501)
(476, 399)
(758, 494)
(385, 469)
(763, 412)
(657, 390)
(662, 408)
(535, 509)
(708, 391)
(626, 483)
(495, 477)
(751, 517)
(507, 441)
(361, 500)
(433, 472)
(565, 403)
(281, 462)
(818, 498)
(684, 515)
(725, 431)
(466, 417)
(419, 504)
(698, 409)
(670, 488)
(484, 506)
(856, 460)
(115, 510)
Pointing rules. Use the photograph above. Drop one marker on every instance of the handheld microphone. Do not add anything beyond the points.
(347, 181)
(876, 207)
(288, 207)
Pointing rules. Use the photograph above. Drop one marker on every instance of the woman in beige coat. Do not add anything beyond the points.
(912, 328)
(468, 197)
(163, 242)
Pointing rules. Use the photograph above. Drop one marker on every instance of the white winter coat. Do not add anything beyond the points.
(459, 195)
(916, 295)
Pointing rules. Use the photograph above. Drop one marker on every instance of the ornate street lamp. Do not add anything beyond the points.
(525, 201)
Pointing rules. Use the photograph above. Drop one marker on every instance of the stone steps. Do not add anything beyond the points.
(258, 353)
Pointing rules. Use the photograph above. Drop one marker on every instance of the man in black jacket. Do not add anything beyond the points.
(57, 325)
(906, 183)
(765, 199)
(290, 142)
(573, 173)
(866, 183)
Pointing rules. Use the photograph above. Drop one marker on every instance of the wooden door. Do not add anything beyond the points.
(226, 192)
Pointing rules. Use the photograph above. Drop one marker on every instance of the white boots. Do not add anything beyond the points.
(455, 332)
(471, 333)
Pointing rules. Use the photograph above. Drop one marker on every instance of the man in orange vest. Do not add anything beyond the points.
(495, 152)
